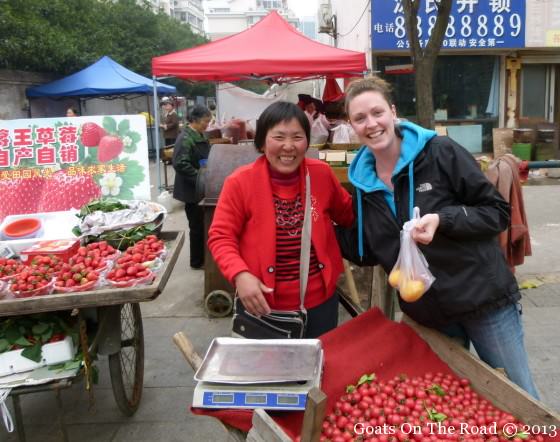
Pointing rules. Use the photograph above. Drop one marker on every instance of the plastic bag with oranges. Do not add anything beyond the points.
(411, 275)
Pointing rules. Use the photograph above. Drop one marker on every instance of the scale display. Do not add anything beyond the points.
(240, 399)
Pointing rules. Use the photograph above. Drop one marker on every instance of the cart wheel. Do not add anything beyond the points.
(218, 303)
(127, 366)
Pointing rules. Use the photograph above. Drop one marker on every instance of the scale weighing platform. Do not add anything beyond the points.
(274, 374)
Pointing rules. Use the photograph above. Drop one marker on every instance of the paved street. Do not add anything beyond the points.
(168, 385)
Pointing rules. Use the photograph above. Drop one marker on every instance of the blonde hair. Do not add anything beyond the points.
(368, 84)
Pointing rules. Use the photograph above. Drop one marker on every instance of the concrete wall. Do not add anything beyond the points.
(13, 103)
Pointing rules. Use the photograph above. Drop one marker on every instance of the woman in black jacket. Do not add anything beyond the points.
(401, 166)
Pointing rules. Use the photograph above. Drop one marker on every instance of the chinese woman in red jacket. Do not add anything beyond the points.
(255, 236)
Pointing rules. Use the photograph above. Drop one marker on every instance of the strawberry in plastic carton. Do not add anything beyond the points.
(61, 248)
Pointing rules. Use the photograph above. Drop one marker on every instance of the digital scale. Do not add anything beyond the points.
(274, 374)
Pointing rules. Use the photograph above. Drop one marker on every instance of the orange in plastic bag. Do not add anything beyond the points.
(410, 274)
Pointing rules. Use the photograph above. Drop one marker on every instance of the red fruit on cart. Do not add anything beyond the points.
(63, 191)
(91, 134)
(110, 147)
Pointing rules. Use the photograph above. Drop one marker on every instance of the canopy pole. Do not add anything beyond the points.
(156, 115)
(150, 132)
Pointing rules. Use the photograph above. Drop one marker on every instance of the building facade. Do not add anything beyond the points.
(228, 17)
(499, 65)
(188, 12)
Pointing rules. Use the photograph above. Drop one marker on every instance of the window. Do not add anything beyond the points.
(464, 86)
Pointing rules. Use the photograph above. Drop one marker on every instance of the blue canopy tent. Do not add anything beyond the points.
(103, 78)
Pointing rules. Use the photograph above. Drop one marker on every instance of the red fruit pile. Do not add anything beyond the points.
(10, 267)
(94, 256)
(47, 264)
(75, 275)
(145, 250)
(31, 282)
(423, 409)
(129, 273)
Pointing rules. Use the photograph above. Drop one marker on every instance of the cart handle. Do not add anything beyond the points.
(186, 347)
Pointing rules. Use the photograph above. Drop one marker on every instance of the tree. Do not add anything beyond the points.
(62, 37)
(424, 59)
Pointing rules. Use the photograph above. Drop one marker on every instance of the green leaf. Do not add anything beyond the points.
(126, 194)
(12, 333)
(522, 435)
(133, 175)
(366, 378)
(33, 352)
(350, 388)
(23, 342)
(134, 136)
(40, 328)
(4, 345)
(47, 335)
(124, 128)
(439, 417)
(130, 148)
(436, 389)
(110, 125)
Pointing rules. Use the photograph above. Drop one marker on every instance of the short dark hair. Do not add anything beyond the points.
(198, 112)
(276, 113)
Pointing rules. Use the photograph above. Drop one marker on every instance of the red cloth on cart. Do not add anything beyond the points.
(369, 343)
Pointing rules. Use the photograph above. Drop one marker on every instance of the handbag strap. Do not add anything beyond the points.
(305, 243)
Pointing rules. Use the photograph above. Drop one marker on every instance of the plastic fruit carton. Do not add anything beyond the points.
(54, 353)
(40, 291)
(61, 248)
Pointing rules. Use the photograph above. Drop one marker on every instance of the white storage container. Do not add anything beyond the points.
(54, 353)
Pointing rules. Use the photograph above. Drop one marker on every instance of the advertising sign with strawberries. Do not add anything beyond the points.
(55, 164)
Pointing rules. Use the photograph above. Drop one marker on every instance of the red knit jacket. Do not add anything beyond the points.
(242, 236)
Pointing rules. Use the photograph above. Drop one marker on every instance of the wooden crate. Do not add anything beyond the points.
(486, 381)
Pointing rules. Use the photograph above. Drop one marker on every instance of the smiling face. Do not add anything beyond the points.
(285, 146)
(373, 120)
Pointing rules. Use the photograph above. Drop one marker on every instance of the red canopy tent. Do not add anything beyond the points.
(271, 49)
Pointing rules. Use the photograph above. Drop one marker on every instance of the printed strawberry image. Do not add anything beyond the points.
(91, 134)
(20, 196)
(63, 192)
(110, 147)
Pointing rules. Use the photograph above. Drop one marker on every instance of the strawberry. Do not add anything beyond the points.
(20, 196)
(63, 192)
(110, 147)
(91, 134)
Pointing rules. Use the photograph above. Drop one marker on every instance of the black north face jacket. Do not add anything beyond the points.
(472, 275)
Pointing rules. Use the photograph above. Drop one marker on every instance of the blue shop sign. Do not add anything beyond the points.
(473, 24)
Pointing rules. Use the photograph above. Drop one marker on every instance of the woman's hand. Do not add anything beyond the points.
(251, 292)
(425, 228)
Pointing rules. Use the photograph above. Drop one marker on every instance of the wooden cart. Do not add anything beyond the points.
(119, 332)
(490, 383)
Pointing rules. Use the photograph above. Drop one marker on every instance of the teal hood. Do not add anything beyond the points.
(362, 170)
(363, 177)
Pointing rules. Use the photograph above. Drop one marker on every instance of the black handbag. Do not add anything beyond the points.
(276, 325)
(280, 324)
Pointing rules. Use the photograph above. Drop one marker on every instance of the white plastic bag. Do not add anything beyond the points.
(166, 200)
(319, 133)
(410, 274)
(341, 133)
